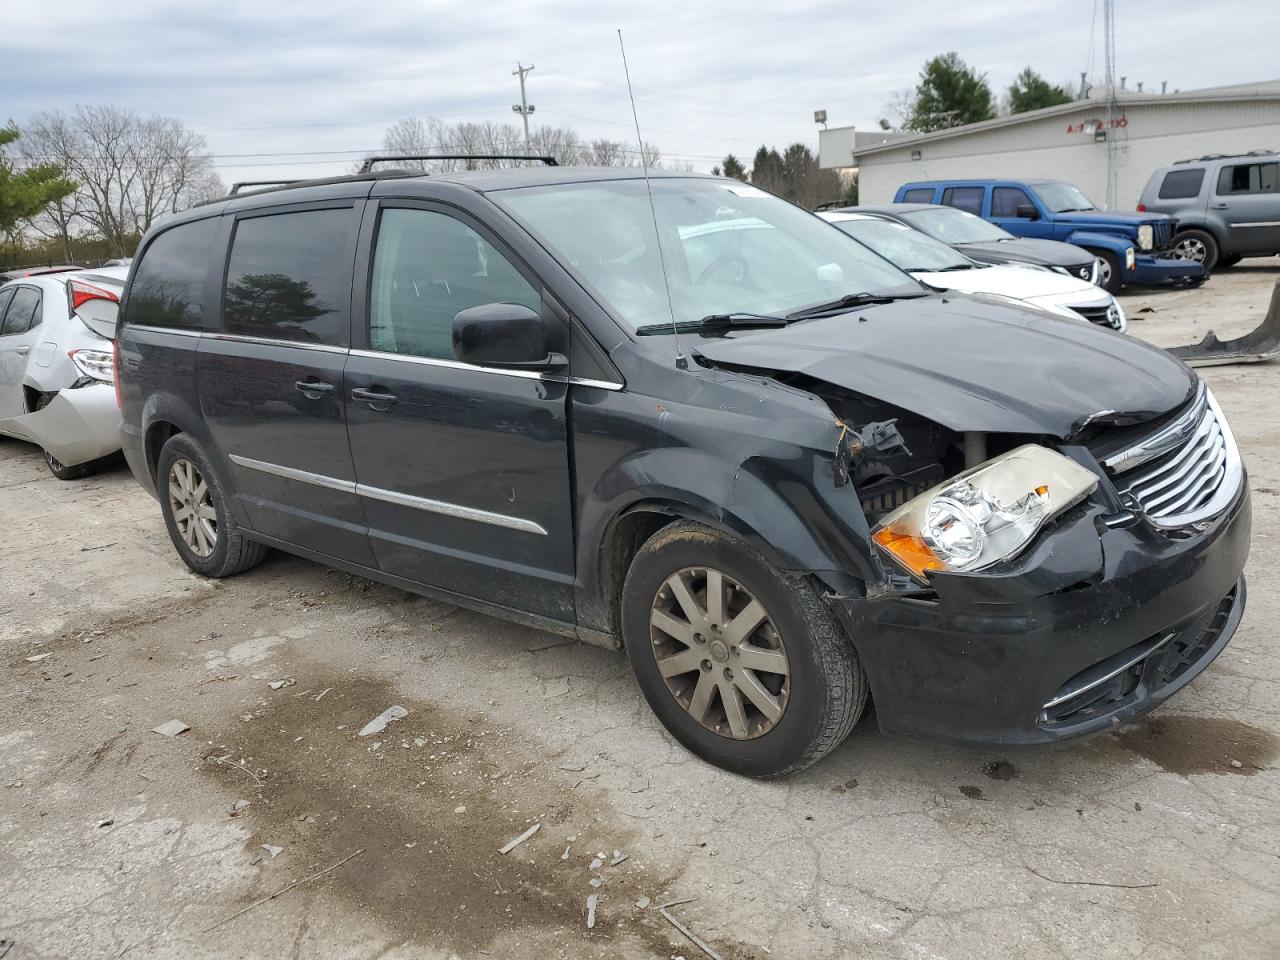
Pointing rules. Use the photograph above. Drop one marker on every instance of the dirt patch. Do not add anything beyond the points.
(1189, 745)
(430, 800)
(1000, 770)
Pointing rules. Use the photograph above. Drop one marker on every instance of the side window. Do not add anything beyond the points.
(6, 294)
(23, 312)
(1006, 200)
(918, 195)
(288, 277)
(965, 198)
(168, 285)
(1249, 178)
(428, 266)
(1181, 184)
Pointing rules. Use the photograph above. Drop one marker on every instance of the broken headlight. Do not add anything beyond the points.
(985, 514)
(94, 363)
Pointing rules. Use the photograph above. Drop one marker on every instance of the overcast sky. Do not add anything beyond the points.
(303, 89)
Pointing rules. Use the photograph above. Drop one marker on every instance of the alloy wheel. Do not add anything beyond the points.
(719, 652)
(1190, 248)
(192, 508)
(1104, 271)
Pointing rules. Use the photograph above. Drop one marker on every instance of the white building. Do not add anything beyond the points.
(1069, 142)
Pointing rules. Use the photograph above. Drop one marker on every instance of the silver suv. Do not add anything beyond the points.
(1228, 206)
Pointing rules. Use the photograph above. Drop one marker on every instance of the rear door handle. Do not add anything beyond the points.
(22, 351)
(313, 389)
(376, 399)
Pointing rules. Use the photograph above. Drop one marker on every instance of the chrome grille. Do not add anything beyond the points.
(1108, 316)
(1185, 472)
(1162, 235)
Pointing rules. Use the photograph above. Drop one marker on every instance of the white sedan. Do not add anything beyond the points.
(941, 266)
(56, 358)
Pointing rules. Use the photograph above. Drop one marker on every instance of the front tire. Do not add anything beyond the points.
(64, 472)
(1111, 276)
(1198, 246)
(197, 515)
(744, 664)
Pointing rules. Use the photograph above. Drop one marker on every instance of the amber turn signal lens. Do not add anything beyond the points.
(912, 552)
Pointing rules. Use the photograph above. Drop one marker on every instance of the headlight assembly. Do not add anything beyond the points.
(984, 515)
(1146, 236)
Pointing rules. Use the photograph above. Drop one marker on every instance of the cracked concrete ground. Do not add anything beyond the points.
(115, 841)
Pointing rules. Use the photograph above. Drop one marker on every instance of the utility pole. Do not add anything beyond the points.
(524, 107)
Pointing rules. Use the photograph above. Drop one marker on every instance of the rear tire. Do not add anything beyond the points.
(197, 515)
(796, 659)
(1198, 246)
(1112, 276)
(64, 472)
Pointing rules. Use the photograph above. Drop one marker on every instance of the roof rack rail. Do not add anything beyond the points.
(242, 184)
(1227, 156)
(367, 166)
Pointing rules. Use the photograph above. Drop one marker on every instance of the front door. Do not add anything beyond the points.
(463, 471)
(1247, 199)
(271, 377)
(1005, 204)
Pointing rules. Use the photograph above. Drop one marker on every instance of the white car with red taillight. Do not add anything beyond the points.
(56, 354)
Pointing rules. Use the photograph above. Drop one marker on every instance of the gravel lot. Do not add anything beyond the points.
(117, 841)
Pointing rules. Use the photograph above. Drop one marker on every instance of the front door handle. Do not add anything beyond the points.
(22, 351)
(313, 389)
(375, 398)
(1220, 206)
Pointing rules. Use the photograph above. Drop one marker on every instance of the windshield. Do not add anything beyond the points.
(949, 225)
(903, 247)
(728, 248)
(1062, 197)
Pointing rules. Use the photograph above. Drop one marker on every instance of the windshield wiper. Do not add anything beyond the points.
(712, 322)
(851, 301)
(957, 266)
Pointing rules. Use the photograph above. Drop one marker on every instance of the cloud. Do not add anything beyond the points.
(710, 77)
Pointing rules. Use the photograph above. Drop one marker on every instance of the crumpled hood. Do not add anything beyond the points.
(1044, 253)
(971, 364)
(1107, 218)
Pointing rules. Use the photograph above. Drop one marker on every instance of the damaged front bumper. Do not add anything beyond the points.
(78, 425)
(1095, 626)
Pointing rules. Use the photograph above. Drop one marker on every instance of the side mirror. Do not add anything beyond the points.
(1027, 211)
(503, 335)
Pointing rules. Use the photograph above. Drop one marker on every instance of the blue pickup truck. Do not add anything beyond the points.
(1132, 248)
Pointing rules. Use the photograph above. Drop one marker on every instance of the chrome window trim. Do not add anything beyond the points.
(272, 341)
(180, 331)
(1172, 436)
(501, 371)
(391, 496)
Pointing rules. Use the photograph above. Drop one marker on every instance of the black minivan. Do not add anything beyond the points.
(682, 416)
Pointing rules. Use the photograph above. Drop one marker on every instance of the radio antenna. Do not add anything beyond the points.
(681, 361)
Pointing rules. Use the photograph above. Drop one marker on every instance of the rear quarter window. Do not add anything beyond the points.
(1181, 184)
(918, 195)
(289, 277)
(23, 312)
(168, 285)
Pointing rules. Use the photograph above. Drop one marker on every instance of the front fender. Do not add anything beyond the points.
(1114, 242)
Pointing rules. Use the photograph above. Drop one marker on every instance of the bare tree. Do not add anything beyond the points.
(414, 136)
(131, 170)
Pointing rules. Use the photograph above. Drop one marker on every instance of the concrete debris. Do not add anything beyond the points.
(282, 683)
(273, 851)
(618, 857)
(38, 657)
(171, 728)
(105, 823)
(461, 808)
(565, 855)
(597, 863)
(512, 844)
(643, 903)
(591, 910)
(320, 696)
(379, 723)
(237, 807)
(576, 766)
(1237, 764)
(596, 881)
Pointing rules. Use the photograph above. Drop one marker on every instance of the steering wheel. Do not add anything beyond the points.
(720, 263)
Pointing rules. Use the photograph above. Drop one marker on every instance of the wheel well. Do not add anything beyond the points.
(158, 435)
(625, 538)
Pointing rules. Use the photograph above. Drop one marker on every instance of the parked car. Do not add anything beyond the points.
(55, 366)
(1135, 249)
(776, 469)
(982, 240)
(21, 272)
(945, 268)
(1227, 206)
